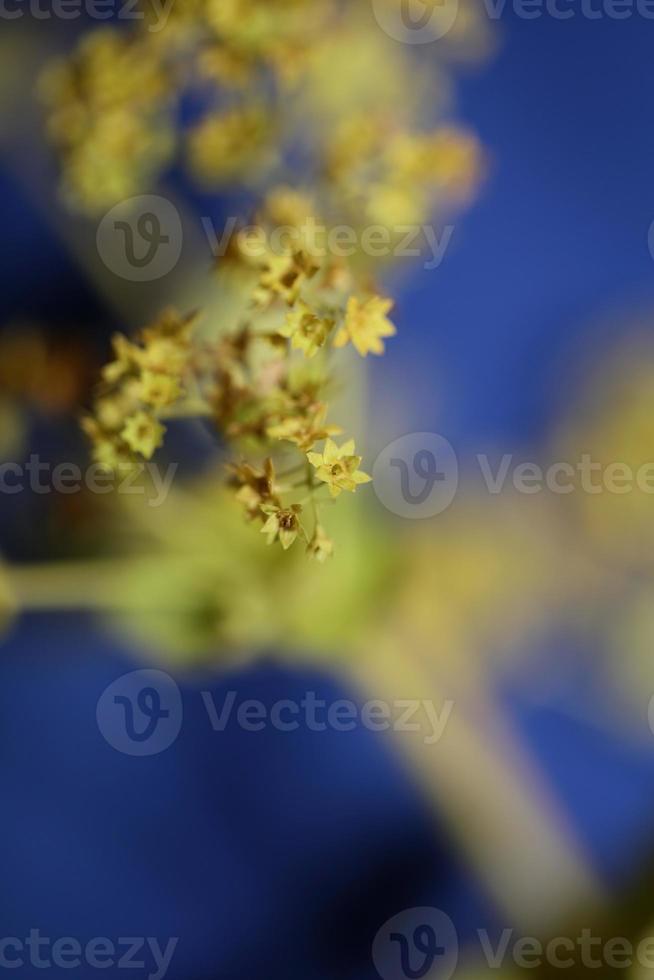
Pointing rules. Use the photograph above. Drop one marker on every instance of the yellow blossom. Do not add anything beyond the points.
(365, 325)
(338, 467)
(126, 359)
(256, 488)
(143, 433)
(304, 430)
(159, 390)
(172, 325)
(109, 451)
(307, 331)
(282, 523)
(283, 276)
(227, 146)
(164, 354)
(321, 546)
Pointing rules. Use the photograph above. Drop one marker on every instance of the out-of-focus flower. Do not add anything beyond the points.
(229, 145)
(307, 331)
(305, 430)
(159, 390)
(284, 276)
(282, 523)
(338, 467)
(256, 488)
(321, 546)
(366, 324)
(109, 116)
(143, 434)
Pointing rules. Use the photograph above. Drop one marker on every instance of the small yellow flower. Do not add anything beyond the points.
(321, 546)
(143, 434)
(365, 324)
(282, 523)
(256, 488)
(111, 454)
(307, 331)
(126, 359)
(338, 467)
(283, 276)
(304, 430)
(172, 325)
(164, 354)
(158, 390)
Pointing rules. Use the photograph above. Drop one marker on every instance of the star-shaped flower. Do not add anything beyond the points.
(321, 546)
(143, 434)
(256, 488)
(365, 325)
(304, 430)
(338, 467)
(282, 523)
(159, 390)
(307, 331)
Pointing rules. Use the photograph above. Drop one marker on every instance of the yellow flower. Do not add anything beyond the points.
(286, 206)
(282, 523)
(158, 390)
(143, 434)
(307, 331)
(283, 276)
(304, 430)
(365, 324)
(229, 145)
(164, 354)
(256, 488)
(126, 359)
(172, 325)
(338, 467)
(108, 449)
(321, 546)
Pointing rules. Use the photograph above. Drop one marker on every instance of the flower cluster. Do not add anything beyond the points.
(262, 73)
(262, 384)
(315, 115)
(143, 381)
